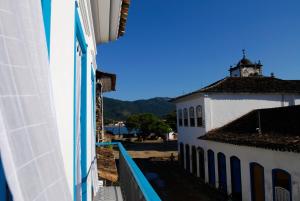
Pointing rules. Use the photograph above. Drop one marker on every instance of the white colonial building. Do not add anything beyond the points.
(220, 103)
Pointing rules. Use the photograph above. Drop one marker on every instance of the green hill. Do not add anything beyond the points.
(119, 110)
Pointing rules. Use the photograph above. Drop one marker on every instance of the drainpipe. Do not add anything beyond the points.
(259, 123)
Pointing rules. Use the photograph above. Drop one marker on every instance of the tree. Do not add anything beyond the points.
(147, 124)
(133, 123)
(161, 128)
(171, 120)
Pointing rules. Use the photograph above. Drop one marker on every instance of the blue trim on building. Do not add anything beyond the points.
(222, 172)
(211, 168)
(236, 179)
(141, 180)
(79, 36)
(74, 115)
(46, 8)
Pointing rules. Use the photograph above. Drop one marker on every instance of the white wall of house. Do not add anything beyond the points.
(62, 69)
(62, 72)
(269, 159)
(188, 134)
(222, 108)
(225, 108)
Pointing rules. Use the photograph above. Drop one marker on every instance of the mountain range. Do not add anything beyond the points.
(115, 109)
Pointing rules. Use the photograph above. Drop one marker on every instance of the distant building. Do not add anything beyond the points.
(106, 82)
(245, 68)
(220, 103)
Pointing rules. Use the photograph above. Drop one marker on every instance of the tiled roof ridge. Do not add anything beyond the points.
(284, 136)
(214, 84)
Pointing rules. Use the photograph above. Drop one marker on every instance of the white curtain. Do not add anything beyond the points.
(78, 133)
(29, 142)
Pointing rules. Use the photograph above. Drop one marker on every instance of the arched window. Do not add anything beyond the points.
(281, 185)
(192, 116)
(257, 182)
(211, 168)
(185, 116)
(199, 116)
(180, 117)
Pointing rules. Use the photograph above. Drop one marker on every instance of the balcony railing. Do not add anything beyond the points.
(133, 183)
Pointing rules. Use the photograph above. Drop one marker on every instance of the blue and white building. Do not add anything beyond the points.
(227, 165)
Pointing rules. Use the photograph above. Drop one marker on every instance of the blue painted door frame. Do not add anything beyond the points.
(211, 168)
(79, 36)
(222, 172)
(201, 163)
(236, 180)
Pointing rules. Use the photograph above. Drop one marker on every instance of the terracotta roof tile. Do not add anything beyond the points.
(249, 85)
(279, 129)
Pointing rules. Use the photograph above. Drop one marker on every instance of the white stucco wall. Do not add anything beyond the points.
(220, 109)
(62, 72)
(189, 134)
(225, 108)
(62, 69)
(269, 159)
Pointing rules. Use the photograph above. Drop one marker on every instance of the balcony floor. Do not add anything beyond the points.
(109, 193)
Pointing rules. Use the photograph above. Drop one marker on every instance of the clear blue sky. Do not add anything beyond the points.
(173, 47)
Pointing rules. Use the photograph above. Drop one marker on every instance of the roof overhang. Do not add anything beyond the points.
(108, 81)
(109, 19)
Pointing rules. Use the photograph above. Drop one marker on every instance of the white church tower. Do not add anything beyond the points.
(245, 68)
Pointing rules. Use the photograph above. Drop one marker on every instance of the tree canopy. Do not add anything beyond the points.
(147, 123)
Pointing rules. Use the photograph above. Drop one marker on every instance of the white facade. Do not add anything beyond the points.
(63, 68)
(222, 108)
(269, 159)
(219, 109)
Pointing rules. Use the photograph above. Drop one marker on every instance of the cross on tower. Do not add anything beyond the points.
(244, 53)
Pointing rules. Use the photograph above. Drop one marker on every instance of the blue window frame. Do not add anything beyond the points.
(46, 8)
(222, 172)
(79, 36)
(236, 180)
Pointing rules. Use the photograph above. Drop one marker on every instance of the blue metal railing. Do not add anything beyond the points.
(135, 175)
